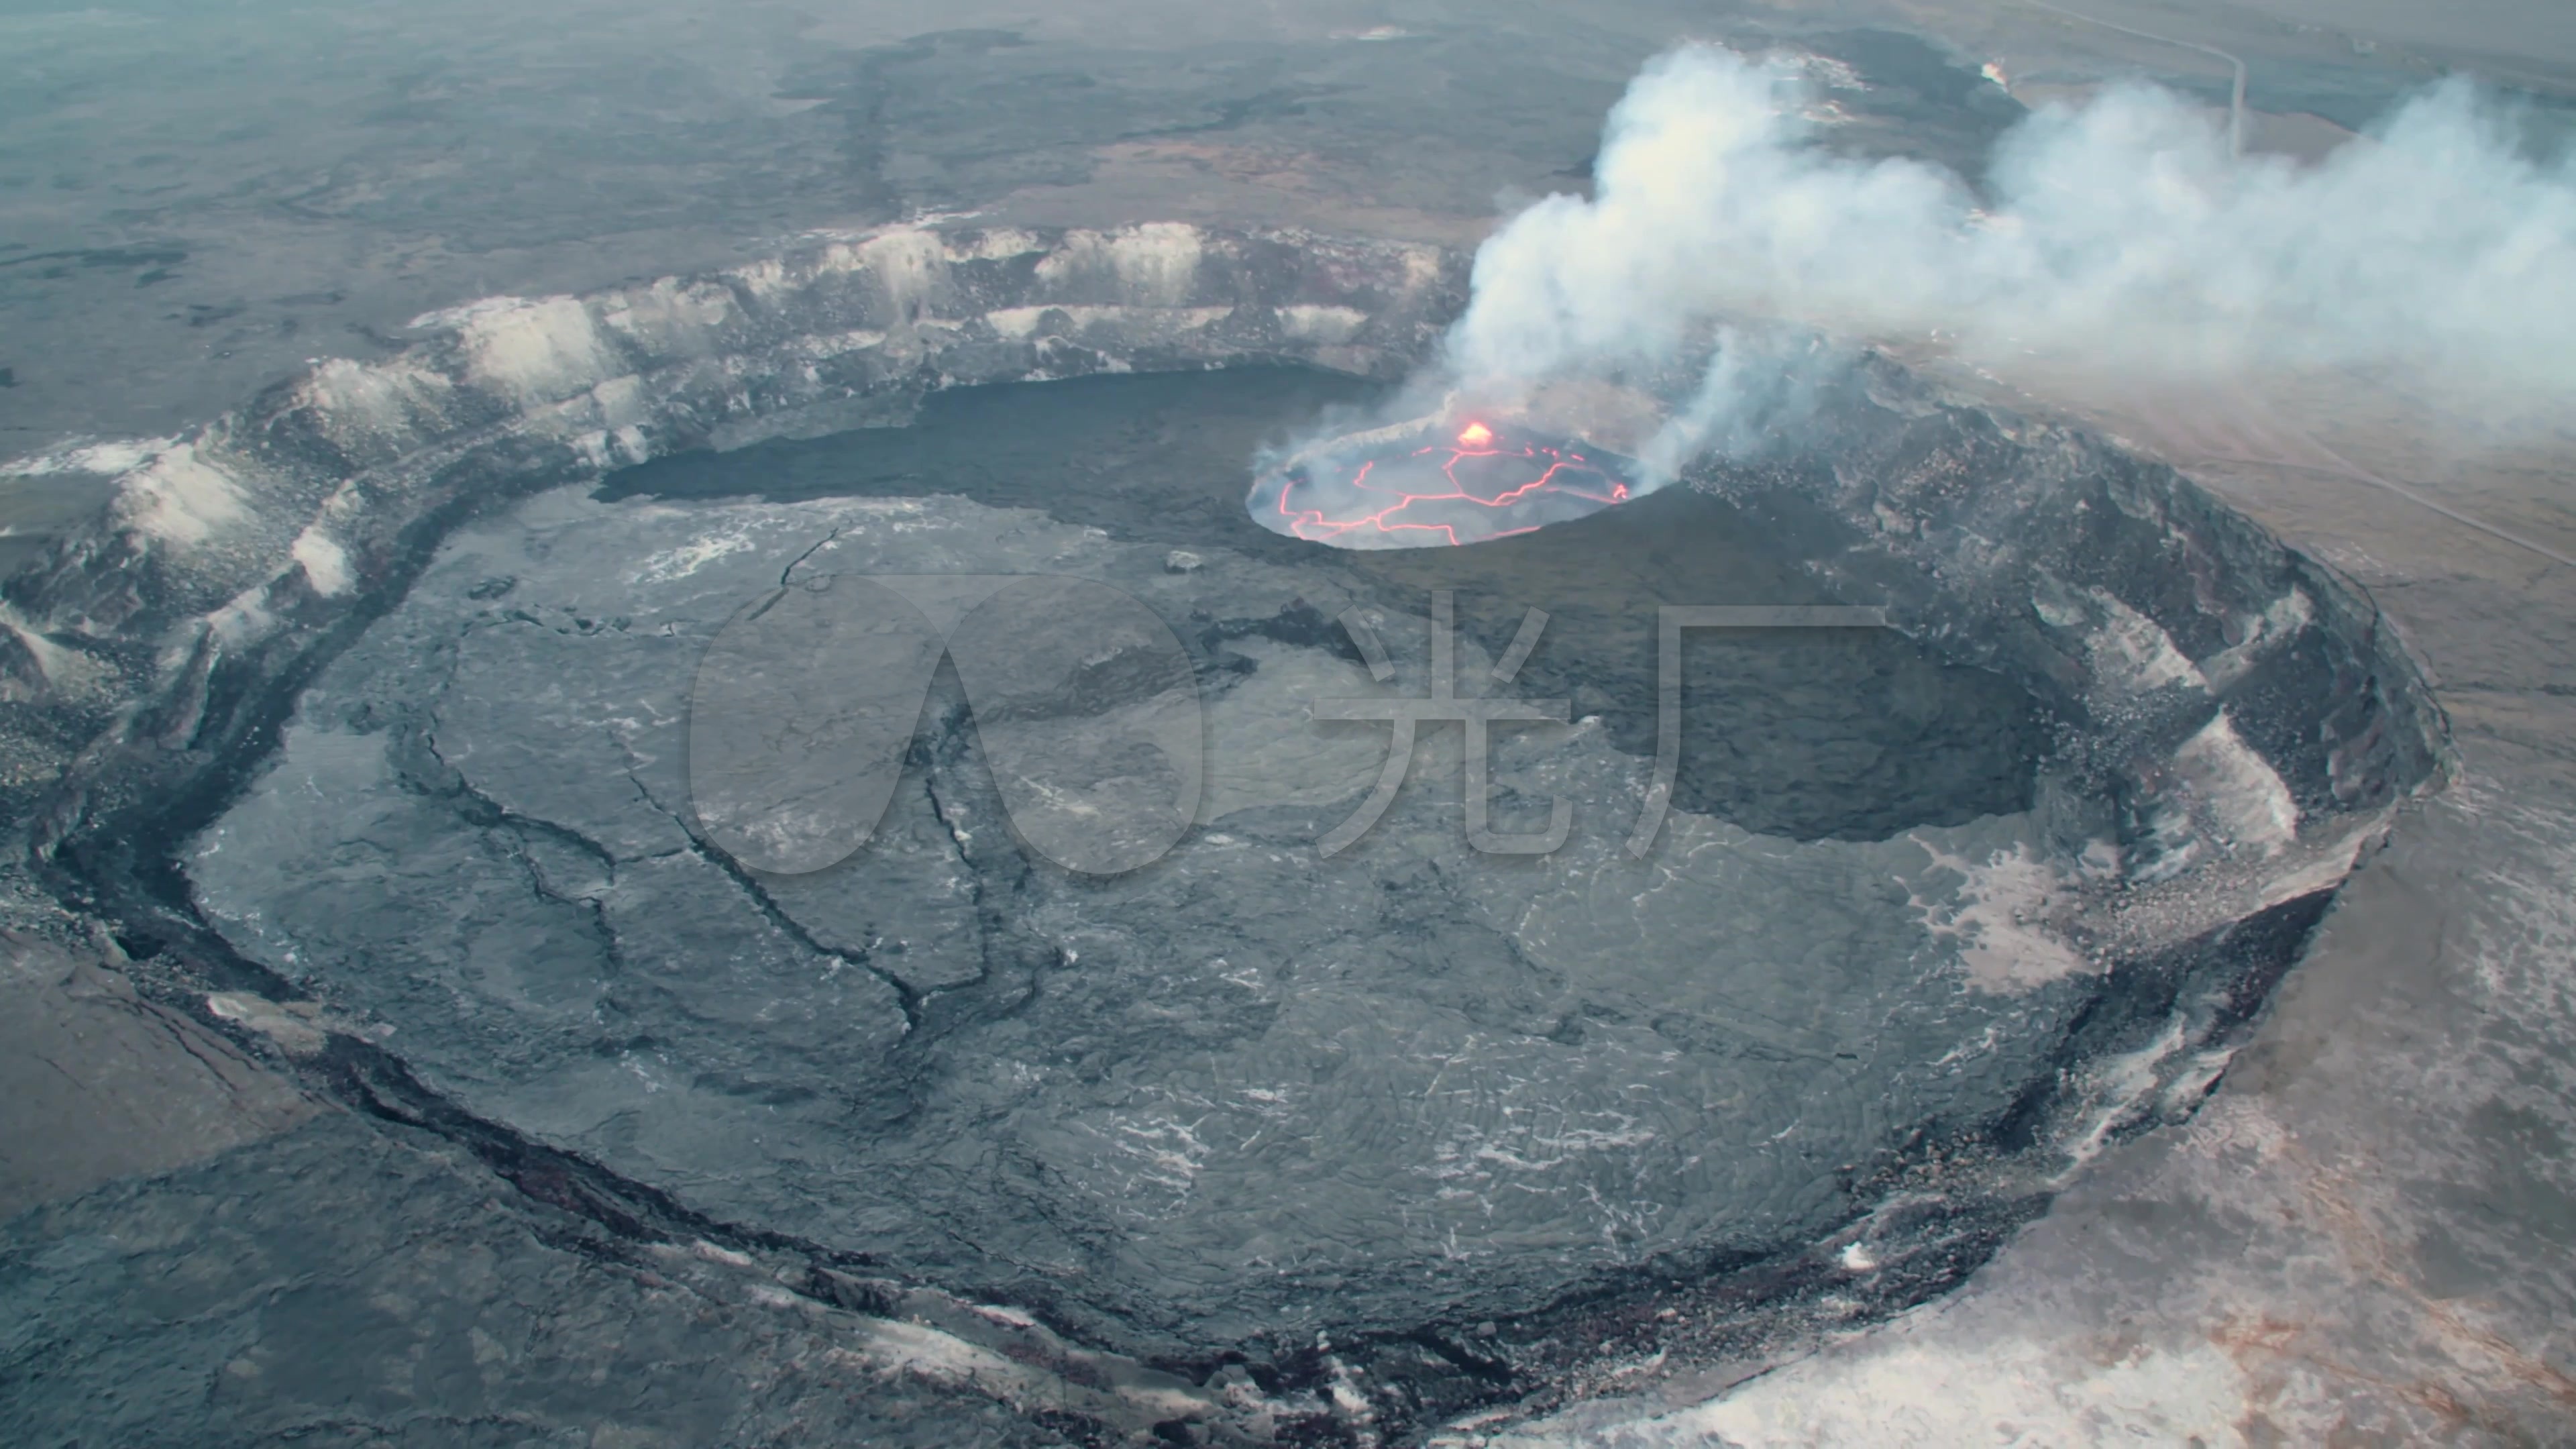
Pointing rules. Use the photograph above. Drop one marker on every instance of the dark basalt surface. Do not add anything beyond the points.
(1245, 1087)
(1940, 910)
(1164, 464)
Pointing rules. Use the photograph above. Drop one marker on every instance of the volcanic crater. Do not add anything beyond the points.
(1935, 907)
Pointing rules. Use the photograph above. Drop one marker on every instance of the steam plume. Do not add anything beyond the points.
(2121, 234)
(1685, 307)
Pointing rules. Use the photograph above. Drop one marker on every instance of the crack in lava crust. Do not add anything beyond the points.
(1390, 497)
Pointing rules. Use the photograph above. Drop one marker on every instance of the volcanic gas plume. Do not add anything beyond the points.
(2121, 239)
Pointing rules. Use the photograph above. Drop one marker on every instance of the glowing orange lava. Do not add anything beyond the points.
(1481, 488)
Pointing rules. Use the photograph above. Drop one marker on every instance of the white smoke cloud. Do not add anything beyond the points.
(2121, 234)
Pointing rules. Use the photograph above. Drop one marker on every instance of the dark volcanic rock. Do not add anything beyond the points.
(337, 1286)
(1246, 1089)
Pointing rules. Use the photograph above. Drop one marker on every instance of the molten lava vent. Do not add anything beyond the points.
(1420, 486)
